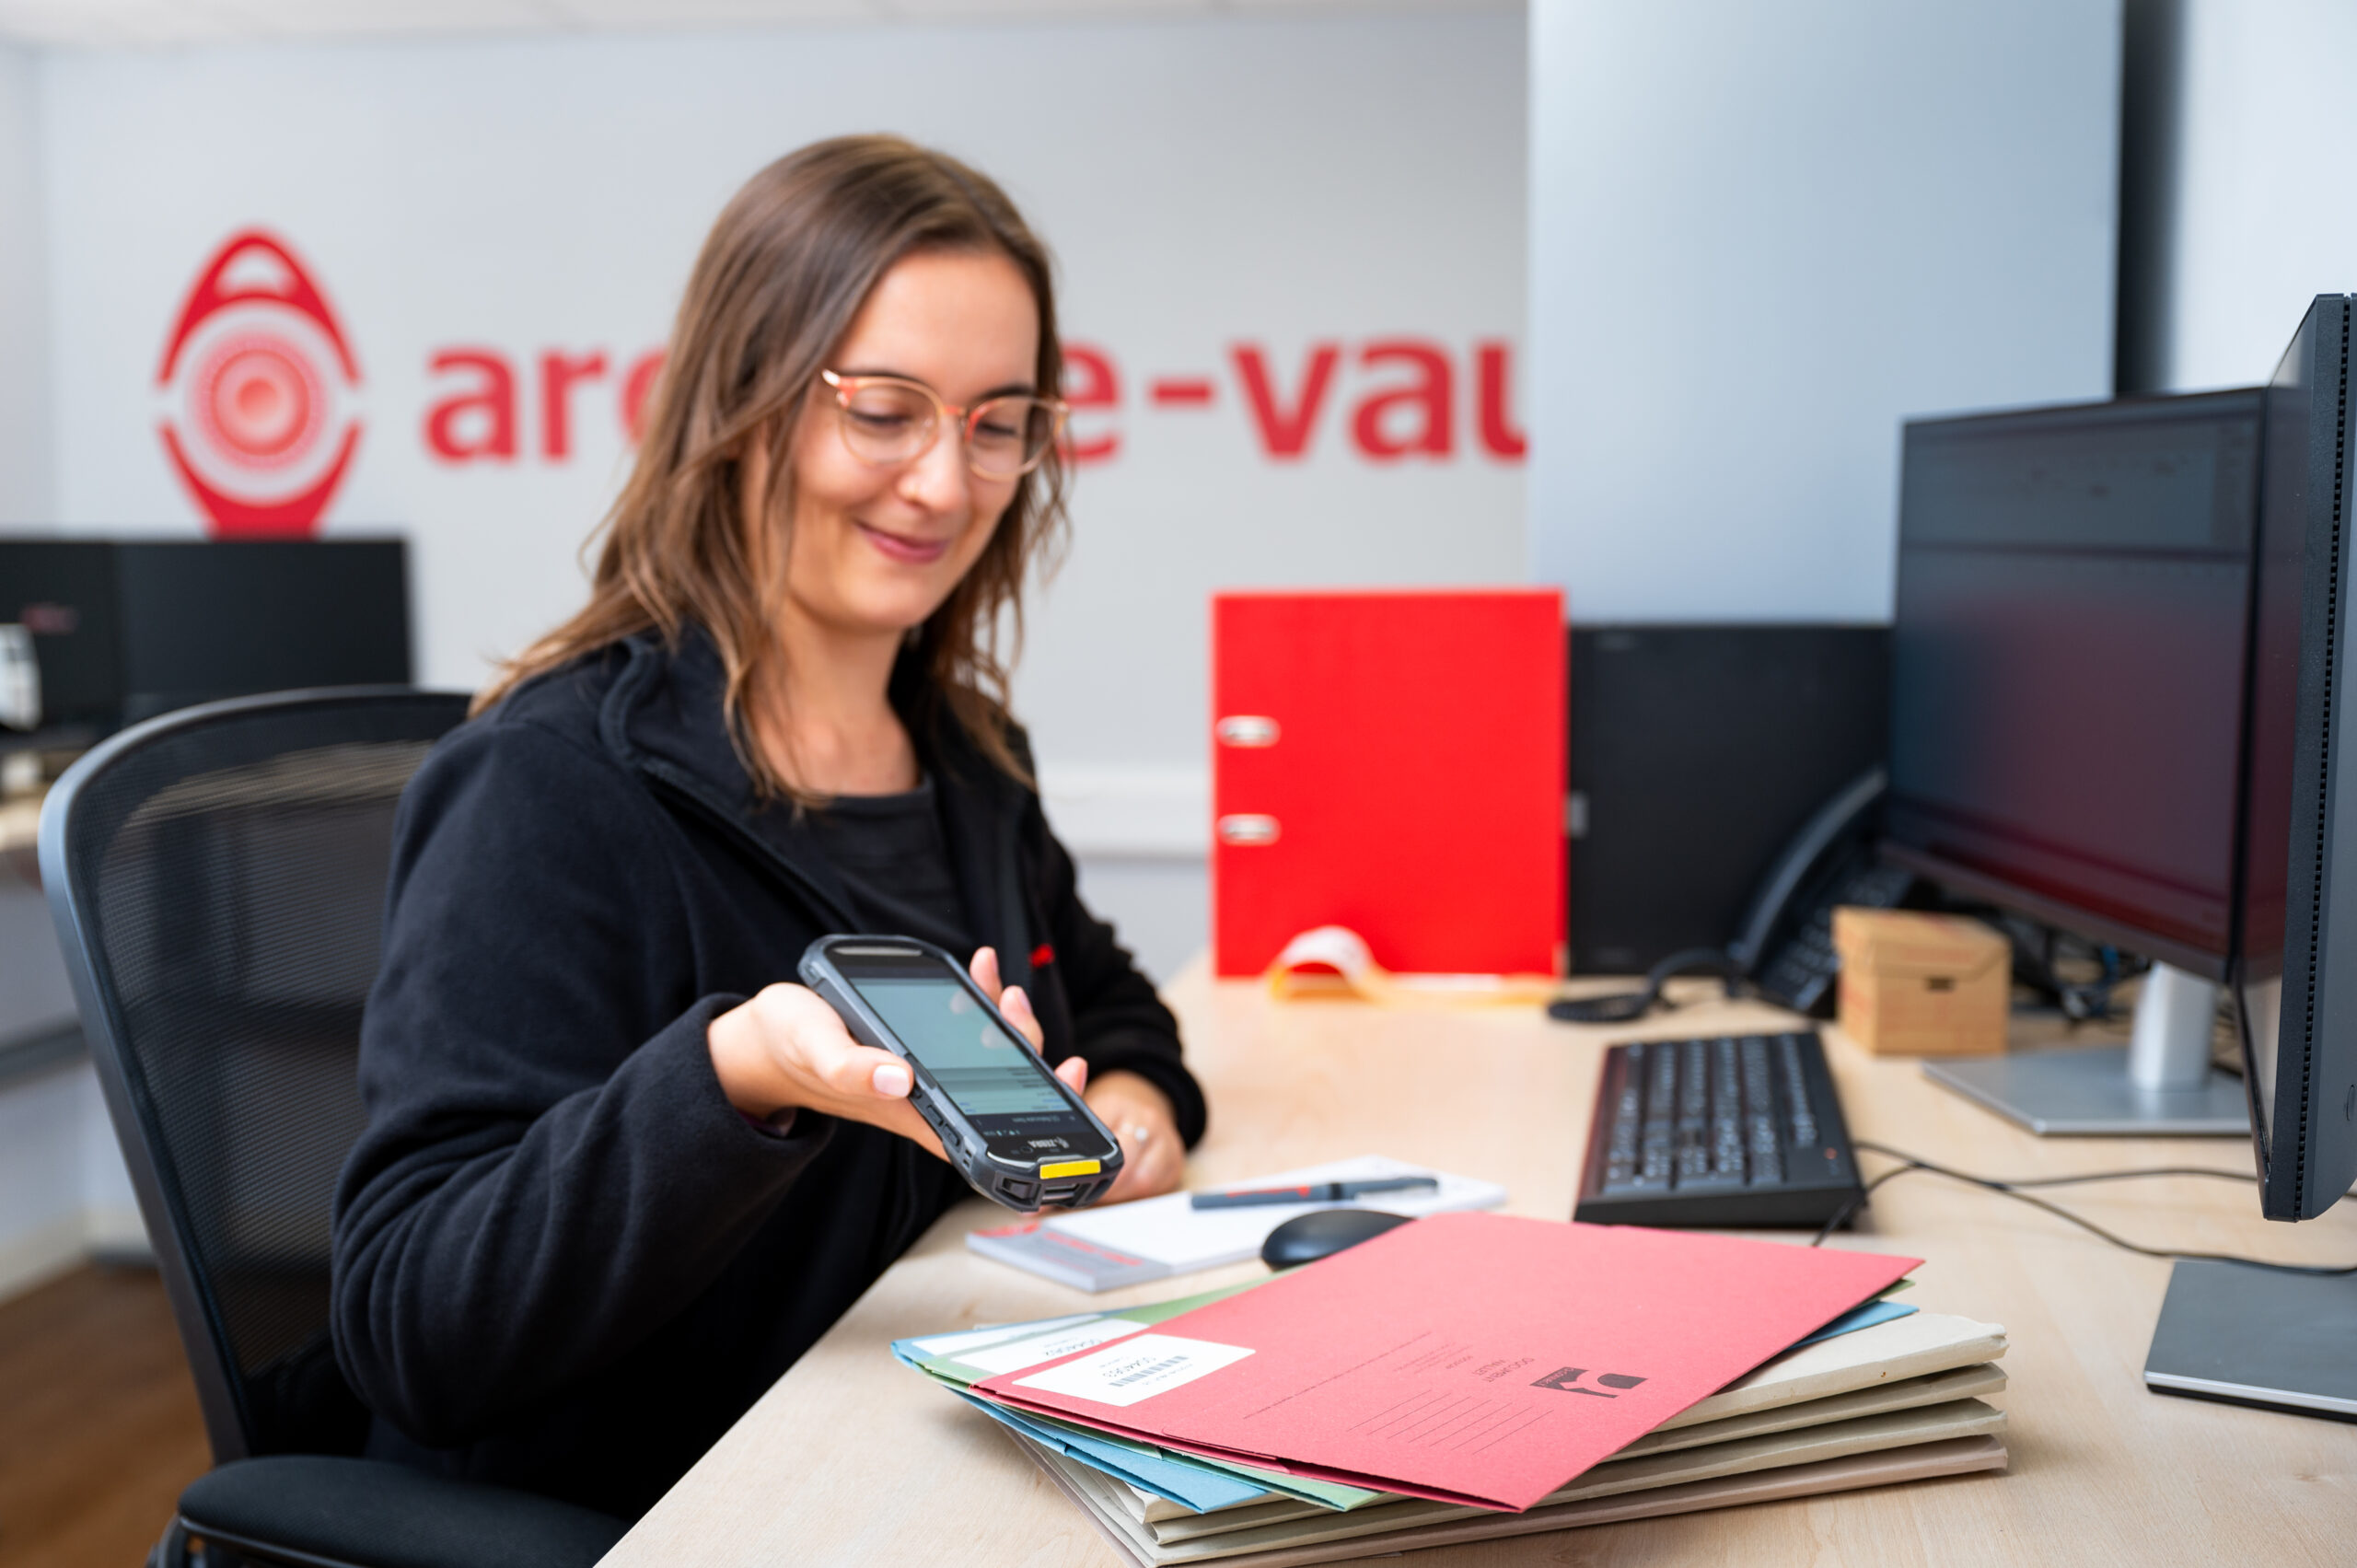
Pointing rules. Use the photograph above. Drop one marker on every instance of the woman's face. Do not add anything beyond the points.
(877, 549)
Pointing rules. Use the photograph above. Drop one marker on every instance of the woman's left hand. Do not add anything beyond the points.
(1153, 1157)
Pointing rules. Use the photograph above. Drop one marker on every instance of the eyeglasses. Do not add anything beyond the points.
(888, 420)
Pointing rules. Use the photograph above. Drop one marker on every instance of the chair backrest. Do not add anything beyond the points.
(217, 877)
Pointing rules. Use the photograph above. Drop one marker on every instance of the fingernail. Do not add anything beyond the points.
(891, 1079)
(1013, 997)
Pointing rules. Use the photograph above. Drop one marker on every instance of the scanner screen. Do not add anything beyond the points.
(981, 1067)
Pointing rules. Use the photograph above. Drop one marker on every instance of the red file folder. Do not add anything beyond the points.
(1395, 762)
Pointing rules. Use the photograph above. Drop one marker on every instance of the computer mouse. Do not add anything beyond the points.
(1321, 1233)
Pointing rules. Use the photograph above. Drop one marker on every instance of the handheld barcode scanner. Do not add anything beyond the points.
(1013, 1129)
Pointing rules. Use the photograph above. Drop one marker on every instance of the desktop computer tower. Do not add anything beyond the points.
(123, 630)
(1696, 752)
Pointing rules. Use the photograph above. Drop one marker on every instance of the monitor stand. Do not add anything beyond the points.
(2161, 1084)
(2257, 1337)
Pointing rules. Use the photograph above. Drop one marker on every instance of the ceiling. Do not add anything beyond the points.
(164, 23)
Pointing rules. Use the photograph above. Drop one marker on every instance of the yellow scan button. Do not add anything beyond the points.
(1070, 1167)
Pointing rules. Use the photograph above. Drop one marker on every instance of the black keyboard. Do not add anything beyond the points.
(1734, 1133)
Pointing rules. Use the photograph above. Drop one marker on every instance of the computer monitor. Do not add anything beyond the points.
(2228, 1332)
(2296, 985)
(2067, 672)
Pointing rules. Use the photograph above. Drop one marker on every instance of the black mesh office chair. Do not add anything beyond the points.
(217, 876)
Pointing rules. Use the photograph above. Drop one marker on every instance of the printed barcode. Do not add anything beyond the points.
(1151, 1369)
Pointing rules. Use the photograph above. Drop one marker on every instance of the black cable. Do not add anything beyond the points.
(1841, 1216)
(2012, 1190)
(1622, 1007)
(2212, 1171)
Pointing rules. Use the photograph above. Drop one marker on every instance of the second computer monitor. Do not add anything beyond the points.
(2067, 665)
(2067, 680)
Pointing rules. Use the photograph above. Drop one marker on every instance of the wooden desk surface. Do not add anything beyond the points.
(851, 1459)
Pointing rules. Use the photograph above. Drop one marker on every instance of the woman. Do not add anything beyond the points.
(615, 1176)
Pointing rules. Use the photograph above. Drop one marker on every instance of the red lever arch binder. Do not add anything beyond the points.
(1395, 762)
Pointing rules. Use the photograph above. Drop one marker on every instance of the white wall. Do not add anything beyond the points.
(41, 1118)
(1204, 182)
(64, 1194)
(25, 490)
(41, 1178)
(2264, 218)
(1762, 235)
(1281, 183)
(64, 1190)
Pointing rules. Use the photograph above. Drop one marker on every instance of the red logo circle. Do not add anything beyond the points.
(264, 429)
(256, 401)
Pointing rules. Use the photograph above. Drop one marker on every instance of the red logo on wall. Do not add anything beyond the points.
(260, 425)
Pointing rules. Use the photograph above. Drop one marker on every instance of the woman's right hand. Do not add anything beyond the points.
(788, 1049)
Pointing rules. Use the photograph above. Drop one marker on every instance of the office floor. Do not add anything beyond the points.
(99, 1423)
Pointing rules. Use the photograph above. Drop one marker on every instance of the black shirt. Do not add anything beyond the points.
(894, 863)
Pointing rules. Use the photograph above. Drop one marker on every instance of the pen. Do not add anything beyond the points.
(1312, 1192)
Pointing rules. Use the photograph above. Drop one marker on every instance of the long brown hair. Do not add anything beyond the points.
(784, 272)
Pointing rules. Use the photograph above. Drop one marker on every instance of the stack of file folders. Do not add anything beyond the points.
(1393, 1422)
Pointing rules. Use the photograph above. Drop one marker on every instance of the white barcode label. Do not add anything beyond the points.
(1137, 1368)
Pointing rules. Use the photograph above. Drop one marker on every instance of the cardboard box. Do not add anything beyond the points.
(1922, 984)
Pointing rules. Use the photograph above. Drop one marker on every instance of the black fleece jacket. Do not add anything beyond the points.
(562, 1260)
